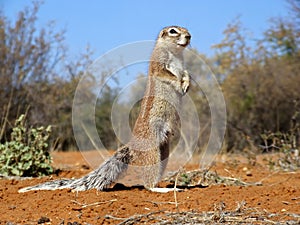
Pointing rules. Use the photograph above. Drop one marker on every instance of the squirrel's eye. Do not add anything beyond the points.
(173, 31)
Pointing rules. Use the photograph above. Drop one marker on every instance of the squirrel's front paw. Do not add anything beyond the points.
(185, 82)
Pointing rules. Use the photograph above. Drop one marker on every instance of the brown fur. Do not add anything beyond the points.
(156, 124)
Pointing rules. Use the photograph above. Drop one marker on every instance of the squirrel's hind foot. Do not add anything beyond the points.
(164, 190)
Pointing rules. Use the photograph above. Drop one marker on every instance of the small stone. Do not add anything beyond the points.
(43, 219)
(249, 173)
(12, 207)
(10, 223)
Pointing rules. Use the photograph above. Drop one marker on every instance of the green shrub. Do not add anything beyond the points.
(26, 154)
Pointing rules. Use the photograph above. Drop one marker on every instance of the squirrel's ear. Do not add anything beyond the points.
(162, 33)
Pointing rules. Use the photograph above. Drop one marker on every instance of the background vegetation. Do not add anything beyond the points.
(260, 79)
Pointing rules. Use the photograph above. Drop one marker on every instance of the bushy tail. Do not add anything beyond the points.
(99, 179)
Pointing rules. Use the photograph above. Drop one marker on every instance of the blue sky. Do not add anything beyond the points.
(107, 24)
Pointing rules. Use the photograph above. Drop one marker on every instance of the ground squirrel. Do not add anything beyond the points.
(158, 119)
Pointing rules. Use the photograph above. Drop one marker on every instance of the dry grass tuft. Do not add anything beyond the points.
(241, 215)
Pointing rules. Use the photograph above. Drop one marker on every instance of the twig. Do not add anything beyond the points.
(268, 176)
(93, 204)
(226, 170)
(134, 218)
(280, 182)
(175, 194)
(98, 203)
(6, 120)
(158, 203)
(114, 218)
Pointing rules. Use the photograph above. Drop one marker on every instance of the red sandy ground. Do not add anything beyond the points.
(279, 194)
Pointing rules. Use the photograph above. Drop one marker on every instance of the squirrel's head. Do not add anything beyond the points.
(174, 35)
